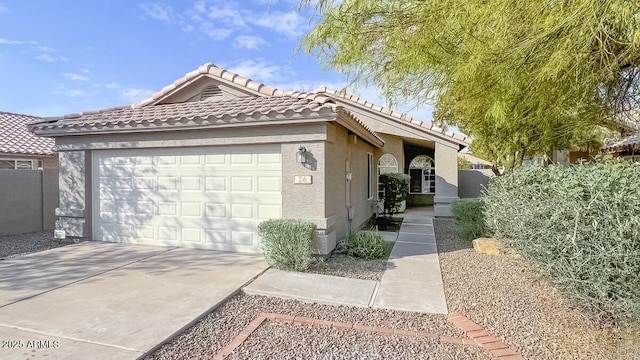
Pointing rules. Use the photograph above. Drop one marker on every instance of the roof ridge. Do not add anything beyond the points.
(213, 70)
(404, 117)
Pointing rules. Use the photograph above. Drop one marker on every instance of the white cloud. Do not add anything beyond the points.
(11, 42)
(259, 71)
(135, 95)
(215, 33)
(157, 11)
(4, 10)
(112, 86)
(86, 71)
(50, 58)
(75, 77)
(290, 24)
(74, 93)
(248, 42)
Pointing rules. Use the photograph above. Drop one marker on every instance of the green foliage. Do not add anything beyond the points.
(366, 245)
(396, 189)
(467, 213)
(463, 164)
(581, 224)
(287, 244)
(552, 82)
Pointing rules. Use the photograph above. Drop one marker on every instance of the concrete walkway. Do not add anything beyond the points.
(111, 301)
(411, 282)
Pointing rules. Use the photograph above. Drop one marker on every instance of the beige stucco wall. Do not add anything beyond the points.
(322, 202)
(471, 182)
(446, 163)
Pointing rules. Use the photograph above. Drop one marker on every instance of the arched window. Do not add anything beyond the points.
(386, 164)
(423, 175)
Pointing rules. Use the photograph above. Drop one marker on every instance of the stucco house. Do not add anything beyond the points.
(29, 177)
(19, 148)
(207, 158)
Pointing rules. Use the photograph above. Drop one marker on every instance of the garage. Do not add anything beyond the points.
(199, 197)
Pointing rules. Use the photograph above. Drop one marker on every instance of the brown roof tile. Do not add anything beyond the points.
(16, 139)
(405, 118)
(205, 113)
(626, 143)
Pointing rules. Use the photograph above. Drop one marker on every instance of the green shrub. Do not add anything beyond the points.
(581, 224)
(467, 213)
(366, 245)
(287, 244)
(396, 189)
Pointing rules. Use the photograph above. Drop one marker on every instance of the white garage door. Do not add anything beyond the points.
(211, 198)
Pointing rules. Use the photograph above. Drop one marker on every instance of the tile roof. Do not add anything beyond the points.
(16, 139)
(400, 117)
(189, 114)
(227, 76)
(151, 113)
(322, 95)
(626, 143)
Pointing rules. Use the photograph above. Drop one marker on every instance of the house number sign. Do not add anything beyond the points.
(302, 179)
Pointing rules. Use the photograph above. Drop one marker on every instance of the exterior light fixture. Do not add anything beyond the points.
(301, 156)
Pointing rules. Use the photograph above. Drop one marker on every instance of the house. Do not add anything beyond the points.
(29, 177)
(627, 147)
(19, 148)
(207, 158)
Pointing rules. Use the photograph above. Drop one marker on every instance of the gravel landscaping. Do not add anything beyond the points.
(21, 244)
(505, 294)
(345, 266)
(289, 341)
(514, 301)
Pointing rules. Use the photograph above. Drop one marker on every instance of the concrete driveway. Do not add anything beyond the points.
(111, 301)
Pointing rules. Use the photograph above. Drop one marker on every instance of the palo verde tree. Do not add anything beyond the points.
(523, 78)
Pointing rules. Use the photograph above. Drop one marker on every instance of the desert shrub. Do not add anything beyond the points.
(581, 224)
(396, 189)
(287, 244)
(365, 245)
(467, 214)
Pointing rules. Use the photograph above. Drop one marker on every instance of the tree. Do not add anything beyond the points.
(523, 78)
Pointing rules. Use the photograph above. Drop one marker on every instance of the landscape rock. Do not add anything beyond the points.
(487, 246)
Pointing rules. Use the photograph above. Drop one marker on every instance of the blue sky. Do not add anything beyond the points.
(61, 57)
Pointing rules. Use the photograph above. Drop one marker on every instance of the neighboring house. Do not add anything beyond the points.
(627, 148)
(19, 148)
(29, 177)
(476, 162)
(203, 161)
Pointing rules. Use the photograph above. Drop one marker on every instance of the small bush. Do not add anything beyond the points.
(467, 213)
(396, 188)
(581, 224)
(287, 244)
(366, 245)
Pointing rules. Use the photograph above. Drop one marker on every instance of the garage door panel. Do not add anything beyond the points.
(192, 235)
(198, 197)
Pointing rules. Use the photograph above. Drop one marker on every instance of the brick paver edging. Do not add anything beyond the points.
(482, 337)
(299, 320)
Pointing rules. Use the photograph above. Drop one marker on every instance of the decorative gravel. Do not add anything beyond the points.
(286, 341)
(345, 266)
(289, 341)
(21, 244)
(514, 301)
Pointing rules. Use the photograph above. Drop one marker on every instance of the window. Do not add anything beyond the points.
(386, 164)
(369, 176)
(423, 175)
(19, 164)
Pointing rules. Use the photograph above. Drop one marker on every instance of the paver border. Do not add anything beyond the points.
(301, 320)
(476, 334)
(496, 348)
